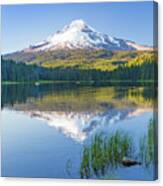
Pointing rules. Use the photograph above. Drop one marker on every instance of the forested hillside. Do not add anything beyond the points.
(83, 66)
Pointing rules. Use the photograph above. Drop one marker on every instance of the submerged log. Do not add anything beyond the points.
(130, 162)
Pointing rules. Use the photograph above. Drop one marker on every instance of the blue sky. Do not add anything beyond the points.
(23, 25)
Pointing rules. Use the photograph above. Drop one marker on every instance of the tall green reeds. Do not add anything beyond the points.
(108, 152)
(105, 152)
(147, 145)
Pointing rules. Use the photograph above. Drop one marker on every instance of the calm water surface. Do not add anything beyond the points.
(46, 129)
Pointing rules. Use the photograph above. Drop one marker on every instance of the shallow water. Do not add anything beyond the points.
(46, 127)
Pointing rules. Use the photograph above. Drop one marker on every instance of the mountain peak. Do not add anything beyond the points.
(79, 35)
(75, 26)
(79, 23)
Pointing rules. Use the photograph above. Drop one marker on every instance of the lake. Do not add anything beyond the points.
(74, 131)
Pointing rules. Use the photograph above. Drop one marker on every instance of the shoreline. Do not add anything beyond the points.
(114, 82)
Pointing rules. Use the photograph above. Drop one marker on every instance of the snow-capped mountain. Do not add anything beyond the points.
(79, 35)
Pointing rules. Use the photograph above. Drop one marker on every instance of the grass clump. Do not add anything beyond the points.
(108, 153)
(105, 152)
(147, 144)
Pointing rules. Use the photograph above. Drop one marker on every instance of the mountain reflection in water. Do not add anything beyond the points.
(79, 126)
(65, 119)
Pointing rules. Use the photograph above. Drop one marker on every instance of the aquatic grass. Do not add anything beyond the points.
(147, 144)
(105, 152)
(85, 165)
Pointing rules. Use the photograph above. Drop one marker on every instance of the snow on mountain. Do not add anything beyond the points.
(138, 47)
(79, 35)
